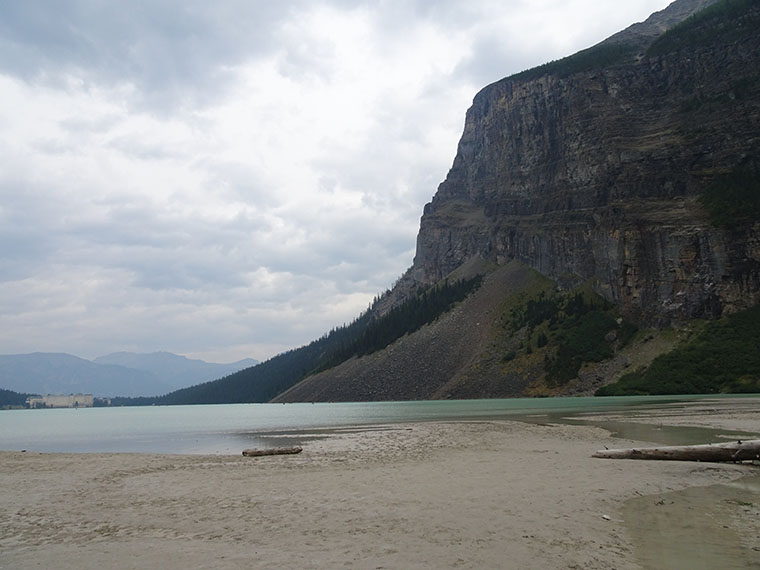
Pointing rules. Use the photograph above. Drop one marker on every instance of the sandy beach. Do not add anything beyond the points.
(492, 494)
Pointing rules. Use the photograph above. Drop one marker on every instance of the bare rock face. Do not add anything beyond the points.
(594, 174)
(587, 171)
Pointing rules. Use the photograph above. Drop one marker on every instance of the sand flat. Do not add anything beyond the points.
(499, 494)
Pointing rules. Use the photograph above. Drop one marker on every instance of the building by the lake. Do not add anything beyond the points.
(57, 401)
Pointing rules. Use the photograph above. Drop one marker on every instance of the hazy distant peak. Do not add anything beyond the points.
(116, 374)
(131, 358)
(174, 369)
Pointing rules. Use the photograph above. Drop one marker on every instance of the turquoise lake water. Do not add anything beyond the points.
(229, 428)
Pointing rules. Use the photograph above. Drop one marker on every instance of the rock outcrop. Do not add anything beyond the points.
(595, 174)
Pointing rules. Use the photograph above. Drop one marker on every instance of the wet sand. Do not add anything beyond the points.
(501, 494)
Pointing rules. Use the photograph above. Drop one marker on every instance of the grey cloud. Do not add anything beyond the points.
(158, 254)
(23, 252)
(176, 52)
(77, 125)
(345, 253)
(155, 251)
(492, 59)
(236, 181)
(307, 57)
(143, 149)
(200, 254)
(449, 14)
(161, 270)
(52, 146)
(30, 222)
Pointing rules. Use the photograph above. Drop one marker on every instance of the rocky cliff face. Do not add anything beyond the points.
(592, 172)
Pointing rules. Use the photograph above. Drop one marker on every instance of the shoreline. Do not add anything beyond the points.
(474, 494)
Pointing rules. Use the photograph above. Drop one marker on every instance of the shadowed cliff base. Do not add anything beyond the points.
(522, 334)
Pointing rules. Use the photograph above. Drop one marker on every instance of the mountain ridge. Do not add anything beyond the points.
(175, 370)
(596, 172)
(597, 176)
(61, 373)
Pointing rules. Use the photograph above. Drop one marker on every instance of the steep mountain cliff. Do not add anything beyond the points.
(600, 209)
(612, 189)
(592, 168)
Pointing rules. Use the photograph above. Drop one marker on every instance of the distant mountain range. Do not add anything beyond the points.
(117, 374)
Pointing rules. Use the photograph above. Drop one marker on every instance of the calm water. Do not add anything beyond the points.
(227, 429)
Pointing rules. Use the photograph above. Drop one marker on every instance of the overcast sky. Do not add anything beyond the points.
(233, 179)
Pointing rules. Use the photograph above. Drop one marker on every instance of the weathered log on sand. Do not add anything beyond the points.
(713, 452)
(272, 451)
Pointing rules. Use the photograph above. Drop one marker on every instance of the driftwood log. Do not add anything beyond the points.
(272, 451)
(714, 452)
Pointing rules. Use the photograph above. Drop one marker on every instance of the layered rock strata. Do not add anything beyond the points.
(596, 175)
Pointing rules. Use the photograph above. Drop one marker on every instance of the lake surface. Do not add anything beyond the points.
(230, 428)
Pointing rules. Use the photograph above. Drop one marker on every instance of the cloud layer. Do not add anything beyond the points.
(233, 179)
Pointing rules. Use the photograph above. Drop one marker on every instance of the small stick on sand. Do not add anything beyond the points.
(272, 451)
(733, 451)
